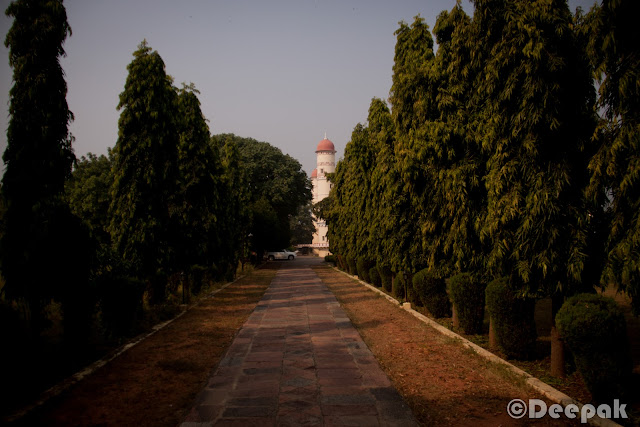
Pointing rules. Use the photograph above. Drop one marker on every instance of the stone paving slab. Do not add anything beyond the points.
(298, 360)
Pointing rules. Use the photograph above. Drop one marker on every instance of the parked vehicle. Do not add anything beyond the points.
(283, 254)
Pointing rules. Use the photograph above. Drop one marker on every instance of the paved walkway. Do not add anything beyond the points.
(298, 360)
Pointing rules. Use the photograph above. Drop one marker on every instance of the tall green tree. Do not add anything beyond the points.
(535, 120)
(615, 168)
(388, 230)
(457, 197)
(537, 96)
(413, 105)
(42, 247)
(145, 171)
(197, 206)
(348, 233)
(233, 227)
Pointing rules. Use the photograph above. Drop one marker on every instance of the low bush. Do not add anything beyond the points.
(594, 329)
(374, 276)
(513, 319)
(398, 286)
(431, 292)
(351, 266)
(385, 277)
(330, 259)
(230, 272)
(467, 295)
(196, 277)
(363, 267)
(121, 303)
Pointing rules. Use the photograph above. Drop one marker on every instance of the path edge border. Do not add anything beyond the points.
(538, 385)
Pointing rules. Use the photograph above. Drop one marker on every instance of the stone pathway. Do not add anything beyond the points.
(298, 360)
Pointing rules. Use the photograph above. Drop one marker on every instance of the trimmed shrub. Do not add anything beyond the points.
(363, 267)
(513, 319)
(594, 329)
(397, 288)
(330, 258)
(385, 277)
(351, 266)
(431, 292)
(374, 276)
(467, 294)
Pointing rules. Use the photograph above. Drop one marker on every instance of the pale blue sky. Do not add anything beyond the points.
(283, 72)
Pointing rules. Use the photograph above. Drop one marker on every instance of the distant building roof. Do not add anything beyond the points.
(314, 174)
(325, 145)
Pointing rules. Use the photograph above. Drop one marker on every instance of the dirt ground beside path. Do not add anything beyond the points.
(155, 382)
(443, 382)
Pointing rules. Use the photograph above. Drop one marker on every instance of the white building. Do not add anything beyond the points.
(325, 164)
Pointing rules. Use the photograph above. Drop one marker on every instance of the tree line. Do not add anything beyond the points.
(499, 160)
(169, 207)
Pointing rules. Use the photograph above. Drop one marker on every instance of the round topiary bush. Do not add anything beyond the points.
(431, 292)
(467, 295)
(594, 329)
(374, 276)
(385, 277)
(363, 267)
(513, 319)
(330, 259)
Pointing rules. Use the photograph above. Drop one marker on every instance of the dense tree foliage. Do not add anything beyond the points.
(534, 127)
(388, 228)
(88, 194)
(301, 226)
(197, 206)
(412, 104)
(43, 245)
(276, 189)
(145, 170)
(233, 223)
(615, 169)
(451, 235)
(492, 160)
(169, 205)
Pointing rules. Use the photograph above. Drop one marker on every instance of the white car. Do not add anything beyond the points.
(283, 254)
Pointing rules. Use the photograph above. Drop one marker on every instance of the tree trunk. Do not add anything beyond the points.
(557, 344)
(493, 343)
(454, 316)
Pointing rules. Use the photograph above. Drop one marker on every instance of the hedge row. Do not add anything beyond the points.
(593, 327)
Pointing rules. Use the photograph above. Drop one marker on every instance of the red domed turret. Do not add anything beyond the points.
(325, 145)
(314, 174)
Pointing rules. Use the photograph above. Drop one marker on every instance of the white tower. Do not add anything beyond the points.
(325, 163)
